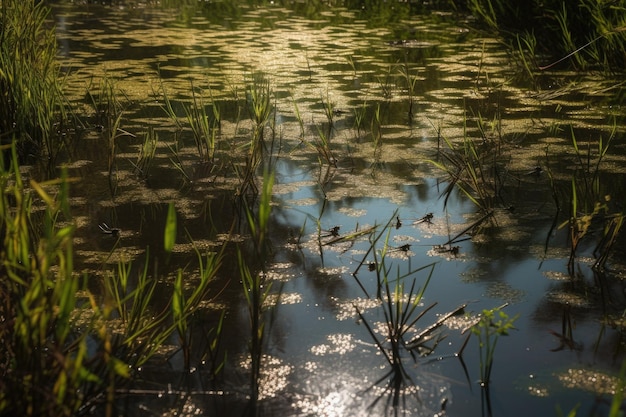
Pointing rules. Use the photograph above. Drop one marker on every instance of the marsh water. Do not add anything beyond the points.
(364, 98)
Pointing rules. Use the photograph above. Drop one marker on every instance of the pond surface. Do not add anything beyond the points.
(363, 100)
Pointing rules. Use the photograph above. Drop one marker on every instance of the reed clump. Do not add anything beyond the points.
(68, 350)
(586, 33)
(31, 99)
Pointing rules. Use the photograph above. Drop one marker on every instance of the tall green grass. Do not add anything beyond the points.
(65, 348)
(256, 285)
(31, 98)
(583, 34)
(44, 363)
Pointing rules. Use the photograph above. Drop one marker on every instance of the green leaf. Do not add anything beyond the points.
(120, 368)
(169, 237)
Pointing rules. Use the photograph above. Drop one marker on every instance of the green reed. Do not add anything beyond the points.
(566, 37)
(386, 83)
(402, 308)
(376, 128)
(184, 305)
(146, 153)
(590, 207)
(256, 286)
(299, 118)
(484, 9)
(329, 111)
(67, 349)
(323, 147)
(31, 98)
(258, 97)
(585, 33)
(472, 169)
(108, 111)
(359, 118)
(492, 325)
(47, 369)
(410, 81)
(204, 125)
(258, 100)
(526, 52)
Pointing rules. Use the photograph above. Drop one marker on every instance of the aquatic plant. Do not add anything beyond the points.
(204, 125)
(184, 305)
(108, 110)
(329, 111)
(258, 97)
(526, 53)
(31, 98)
(386, 83)
(376, 127)
(586, 33)
(44, 363)
(147, 152)
(359, 117)
(402, 309)
(322, 145)
(258, 100)
(299, 118)
(492, 324)
(473, 169)
(256, 285)
(410, 81)
(589, 206)
(68, 349)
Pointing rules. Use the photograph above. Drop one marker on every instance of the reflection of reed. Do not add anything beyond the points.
(401, 310)
(256, 285)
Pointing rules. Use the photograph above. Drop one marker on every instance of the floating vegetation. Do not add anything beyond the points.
(590, 380)
(338, 344)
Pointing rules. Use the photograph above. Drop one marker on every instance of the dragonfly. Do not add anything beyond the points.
(428, 218)
(447, 248)
(334, 232)
(114, 231)
(404, 248)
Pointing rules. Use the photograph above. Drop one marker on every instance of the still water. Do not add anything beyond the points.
(366, 99)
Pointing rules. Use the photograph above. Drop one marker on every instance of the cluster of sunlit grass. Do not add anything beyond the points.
(585, 33)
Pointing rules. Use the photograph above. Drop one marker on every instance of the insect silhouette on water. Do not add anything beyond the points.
(334, 232)
(114, 231)
(428, 218)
